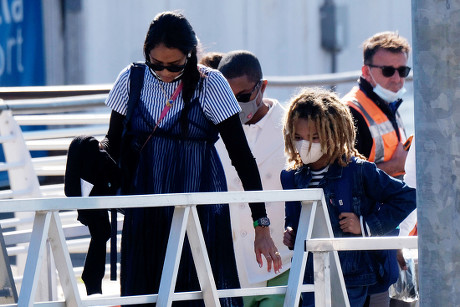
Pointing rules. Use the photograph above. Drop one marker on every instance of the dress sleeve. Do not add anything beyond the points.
(219, 103)
(112, 141)
(119, 94)
(242, 159)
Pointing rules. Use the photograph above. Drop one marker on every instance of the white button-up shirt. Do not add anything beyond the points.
(266, 141)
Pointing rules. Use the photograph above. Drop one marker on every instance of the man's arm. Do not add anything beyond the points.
(396, 165)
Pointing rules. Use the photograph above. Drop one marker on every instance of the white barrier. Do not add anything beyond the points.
(315, 225)
(47, 227)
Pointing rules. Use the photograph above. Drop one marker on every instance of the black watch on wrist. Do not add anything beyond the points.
(262, 222)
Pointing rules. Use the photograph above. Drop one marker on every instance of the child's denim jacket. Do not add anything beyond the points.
(382, 201)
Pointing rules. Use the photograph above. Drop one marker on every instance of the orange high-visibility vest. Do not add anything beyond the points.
(414, 231)
(385, 139)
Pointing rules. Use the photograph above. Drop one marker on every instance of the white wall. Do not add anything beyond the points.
(285, 35)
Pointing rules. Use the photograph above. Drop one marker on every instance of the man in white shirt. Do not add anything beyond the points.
(407, 227)
(262, 123)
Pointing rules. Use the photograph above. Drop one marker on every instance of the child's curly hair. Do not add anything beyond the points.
(332, 120)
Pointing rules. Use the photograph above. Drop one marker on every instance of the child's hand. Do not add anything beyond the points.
(289, 238)
(349, 222)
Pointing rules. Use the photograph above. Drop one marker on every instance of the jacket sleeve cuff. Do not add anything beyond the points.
(373, 223)
(365, 231)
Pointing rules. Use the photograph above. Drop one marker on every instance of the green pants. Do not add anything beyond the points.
(269, 300)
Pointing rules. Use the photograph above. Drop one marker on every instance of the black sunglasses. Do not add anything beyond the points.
(246, 97)
(388, 71)
(171, 68)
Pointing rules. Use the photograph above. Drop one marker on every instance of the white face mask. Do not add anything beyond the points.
(248, 109)
(311, 156)
(387, 95)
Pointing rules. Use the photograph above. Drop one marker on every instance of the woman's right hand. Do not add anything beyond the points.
(264, 246)
(289, 238)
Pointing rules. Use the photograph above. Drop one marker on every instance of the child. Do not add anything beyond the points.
(362, 200)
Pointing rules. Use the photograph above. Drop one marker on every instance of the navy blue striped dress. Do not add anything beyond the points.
(170, 163)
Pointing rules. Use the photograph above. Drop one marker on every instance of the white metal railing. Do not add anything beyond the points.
(70, 118)
(315, 225)
(54, 134)
(53, 105)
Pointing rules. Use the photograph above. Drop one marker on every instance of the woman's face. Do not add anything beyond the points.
(163, 59)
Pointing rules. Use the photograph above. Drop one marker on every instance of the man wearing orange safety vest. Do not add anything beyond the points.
(380, 131)
(374, 103)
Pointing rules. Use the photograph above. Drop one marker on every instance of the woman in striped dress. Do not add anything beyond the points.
(180, 157)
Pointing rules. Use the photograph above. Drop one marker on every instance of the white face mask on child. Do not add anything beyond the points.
(307, 156)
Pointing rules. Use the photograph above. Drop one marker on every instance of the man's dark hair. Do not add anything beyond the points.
(390, 41)
(240, 63)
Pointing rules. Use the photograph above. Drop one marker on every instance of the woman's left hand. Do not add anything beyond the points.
(264, 245)
(349, 222)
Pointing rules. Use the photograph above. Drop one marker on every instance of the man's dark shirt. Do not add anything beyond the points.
(364, 139)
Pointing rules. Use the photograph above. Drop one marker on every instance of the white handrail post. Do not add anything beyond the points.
(201, 259)
(314, 223)
(63, 262)
(322, 269)
(23, 181)
(51, 273)
(21, 178)
(299, 258)
(35, 256)
(323, 229)
(173, 255)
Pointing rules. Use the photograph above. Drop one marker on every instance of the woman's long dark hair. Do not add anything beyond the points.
(174, 31)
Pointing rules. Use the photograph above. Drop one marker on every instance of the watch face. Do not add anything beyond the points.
(264, 221)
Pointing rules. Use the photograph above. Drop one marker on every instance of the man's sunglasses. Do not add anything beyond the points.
(388, 71)
(171, 68)
(246, 97)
